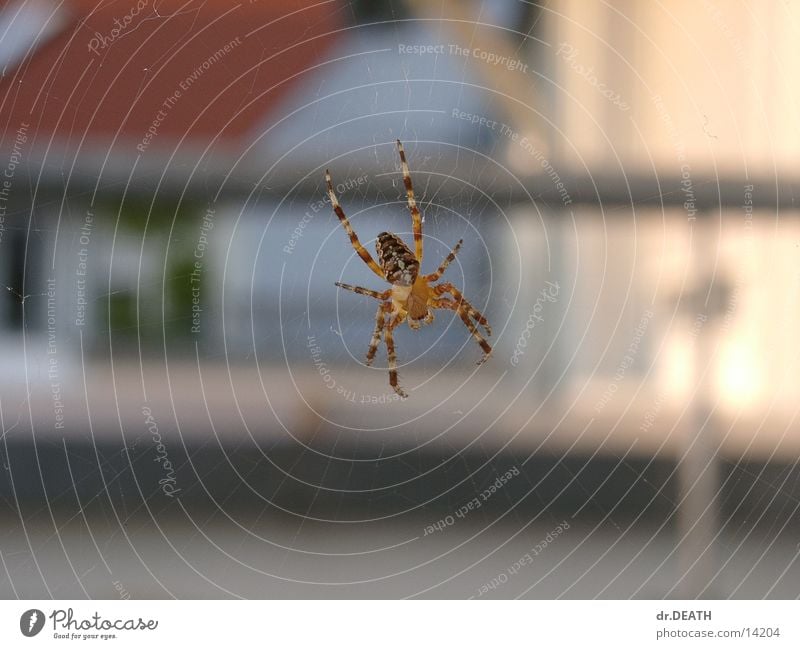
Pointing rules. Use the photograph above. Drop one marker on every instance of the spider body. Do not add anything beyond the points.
(399, 265)
(412, 296)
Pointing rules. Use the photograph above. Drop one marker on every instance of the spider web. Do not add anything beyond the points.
(279, 469)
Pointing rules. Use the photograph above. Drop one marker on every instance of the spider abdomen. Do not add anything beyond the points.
(399, 264)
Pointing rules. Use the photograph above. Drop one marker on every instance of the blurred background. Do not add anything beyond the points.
(184, 403)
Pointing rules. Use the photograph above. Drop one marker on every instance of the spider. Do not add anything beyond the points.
(412, 296)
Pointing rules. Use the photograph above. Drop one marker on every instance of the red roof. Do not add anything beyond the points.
(205, 68)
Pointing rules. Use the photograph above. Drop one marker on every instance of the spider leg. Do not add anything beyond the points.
(464, 314)
(362, 252)
(380, 323)
(416, 218)
(440, 271)
(486, 347)
(390, 352)
(447, 287)
(365, 291)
